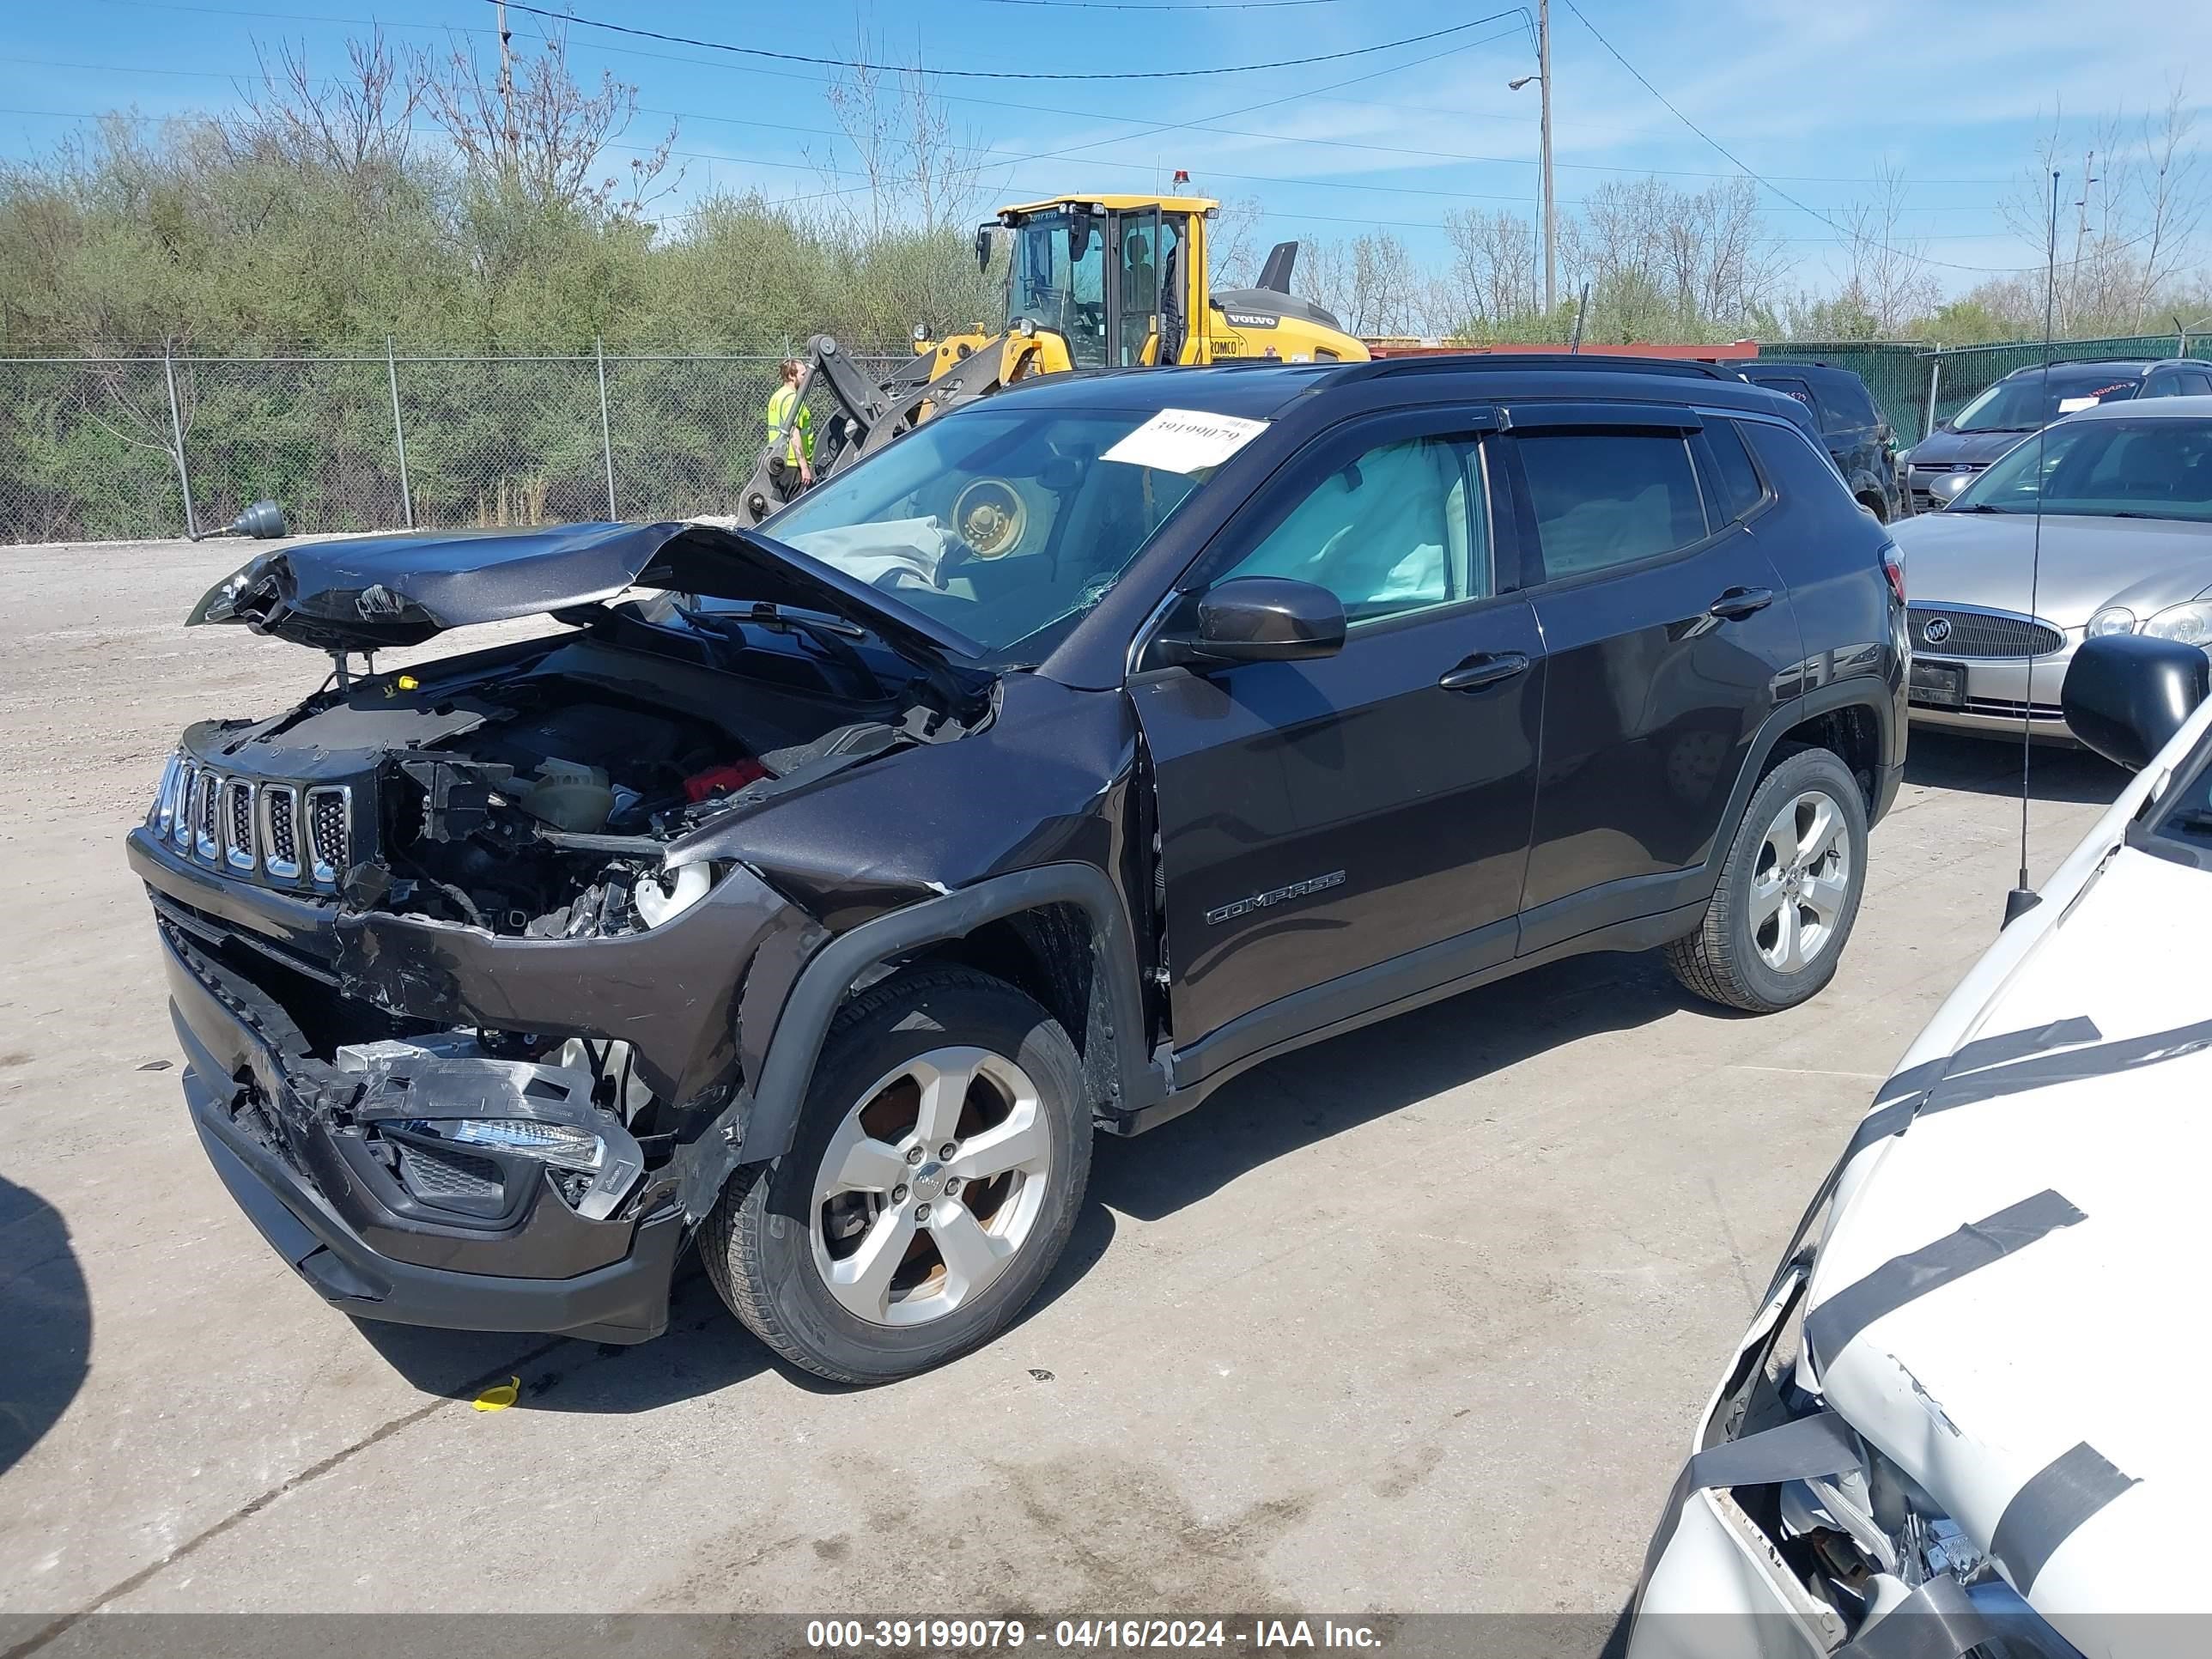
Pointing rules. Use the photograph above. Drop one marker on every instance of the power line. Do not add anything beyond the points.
(989, 74)
(1132, 5)
(1993, 270)
(1399, 108)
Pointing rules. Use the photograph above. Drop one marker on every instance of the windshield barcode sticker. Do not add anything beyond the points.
(1185, 440)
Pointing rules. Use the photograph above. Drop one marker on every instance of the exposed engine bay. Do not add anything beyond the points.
(537, 790)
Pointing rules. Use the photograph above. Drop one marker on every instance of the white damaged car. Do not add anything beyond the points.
(1971, 1418)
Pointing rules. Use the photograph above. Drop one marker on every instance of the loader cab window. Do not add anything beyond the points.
(1058, 280)
(1146, 292)
(1137, 295)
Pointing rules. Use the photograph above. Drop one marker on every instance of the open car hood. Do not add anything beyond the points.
(375, 593)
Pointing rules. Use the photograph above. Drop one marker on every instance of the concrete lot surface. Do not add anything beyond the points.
(1417, 1321)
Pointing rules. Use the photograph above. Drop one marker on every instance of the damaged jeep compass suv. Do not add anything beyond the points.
(808, 894)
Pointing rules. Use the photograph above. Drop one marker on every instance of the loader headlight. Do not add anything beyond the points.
(2190, 624)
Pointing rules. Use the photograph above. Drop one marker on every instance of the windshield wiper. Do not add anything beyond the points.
(1979, 506)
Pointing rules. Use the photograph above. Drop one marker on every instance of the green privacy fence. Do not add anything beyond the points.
(1917, 384)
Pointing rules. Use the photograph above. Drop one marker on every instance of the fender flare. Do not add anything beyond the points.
(823, 984)
(1857, 691)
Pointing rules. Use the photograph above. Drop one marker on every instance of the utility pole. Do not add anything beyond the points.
(505, 82)
(1543, 79)
(1551, 223)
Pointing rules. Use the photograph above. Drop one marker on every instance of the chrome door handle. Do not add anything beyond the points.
(1487, 668)
(1740, 602)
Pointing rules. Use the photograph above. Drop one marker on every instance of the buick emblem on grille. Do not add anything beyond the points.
(1935, 630)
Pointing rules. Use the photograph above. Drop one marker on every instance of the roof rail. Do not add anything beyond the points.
(1462, 362)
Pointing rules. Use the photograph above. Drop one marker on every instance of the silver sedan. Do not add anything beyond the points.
(2125, 534)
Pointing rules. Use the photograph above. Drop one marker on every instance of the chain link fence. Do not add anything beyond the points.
(98, 449)
(1916, 384)
(123, 448)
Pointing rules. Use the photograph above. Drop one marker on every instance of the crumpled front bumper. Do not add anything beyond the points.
(321, 1205)
(1713, 1585)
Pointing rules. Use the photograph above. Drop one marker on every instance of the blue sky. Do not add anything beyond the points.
(1812, 96)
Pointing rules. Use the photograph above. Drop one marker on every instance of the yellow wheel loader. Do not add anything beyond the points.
(1092, 282)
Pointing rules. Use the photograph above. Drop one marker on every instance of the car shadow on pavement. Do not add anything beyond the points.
(703, 1351)
(48, 1317)
(1983, 766)
(1323, 1091)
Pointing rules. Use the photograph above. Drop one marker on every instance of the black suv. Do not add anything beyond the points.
(814, 891)
(2030, 398)
(1863, 444)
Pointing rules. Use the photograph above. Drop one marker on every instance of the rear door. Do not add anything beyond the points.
(1336, 833)
(1668, 638)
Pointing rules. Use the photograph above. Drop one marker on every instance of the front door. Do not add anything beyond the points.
(1339, 833)
(1668, 638)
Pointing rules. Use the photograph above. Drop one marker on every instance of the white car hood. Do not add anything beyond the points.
(2041, 1376)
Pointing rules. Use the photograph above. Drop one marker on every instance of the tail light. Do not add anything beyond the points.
(1892, 566)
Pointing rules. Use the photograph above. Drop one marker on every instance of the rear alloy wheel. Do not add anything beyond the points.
(938, 1168)
(1789, 891)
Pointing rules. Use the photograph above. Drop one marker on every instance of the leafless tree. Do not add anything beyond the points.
(1664, 262)
(535, 130)
(1888, 278)
(1490, 284)
(916, 169)
(2131, 201)
(355, 123)
(1371, 284)
(1234, 243)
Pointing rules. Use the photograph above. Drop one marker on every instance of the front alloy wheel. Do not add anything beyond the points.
(934, 1177)
(931, 1186)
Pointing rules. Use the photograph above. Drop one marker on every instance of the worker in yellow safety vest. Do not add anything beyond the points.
(791, 432)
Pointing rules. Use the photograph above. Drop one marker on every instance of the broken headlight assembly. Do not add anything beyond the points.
(592, 1174)
(1850, 1548)
(662, 895)
(465, 1132)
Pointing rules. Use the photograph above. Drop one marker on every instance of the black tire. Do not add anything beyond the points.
(1722, 961)
(757, 1241)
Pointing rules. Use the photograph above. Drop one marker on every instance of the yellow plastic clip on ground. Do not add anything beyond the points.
(499, 1397)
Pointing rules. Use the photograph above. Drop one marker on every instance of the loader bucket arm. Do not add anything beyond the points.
(869, 415)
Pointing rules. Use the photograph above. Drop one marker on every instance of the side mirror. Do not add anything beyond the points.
(983, 247)
(2126, 695)
(263, 521)
(1264, 619)
(1945, 490)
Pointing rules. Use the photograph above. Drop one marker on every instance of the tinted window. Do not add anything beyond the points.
(1736, 481)
(1403, 527)
(1846, 399)
(1604, 499)
(2195, 385)
(2021, 403)
(1790, 386)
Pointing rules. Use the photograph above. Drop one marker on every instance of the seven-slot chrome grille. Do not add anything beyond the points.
(1961, 631)
(281, 829)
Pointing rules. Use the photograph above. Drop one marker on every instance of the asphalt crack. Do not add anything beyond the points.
(255, 1505)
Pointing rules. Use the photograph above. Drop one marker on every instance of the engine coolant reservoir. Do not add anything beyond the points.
(571, 796)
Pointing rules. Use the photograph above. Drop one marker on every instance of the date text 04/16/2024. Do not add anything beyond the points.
(1085, 1635)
